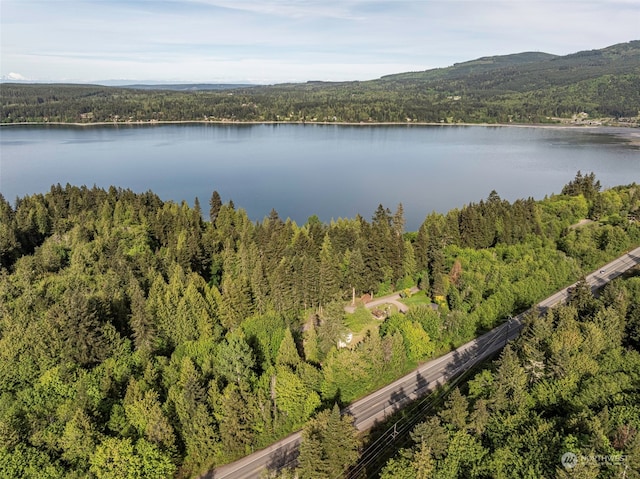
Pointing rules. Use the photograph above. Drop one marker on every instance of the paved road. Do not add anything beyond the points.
(382, 403)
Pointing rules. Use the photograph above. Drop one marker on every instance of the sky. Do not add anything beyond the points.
(276, 41)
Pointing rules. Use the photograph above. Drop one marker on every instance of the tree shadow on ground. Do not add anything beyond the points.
(285, 457)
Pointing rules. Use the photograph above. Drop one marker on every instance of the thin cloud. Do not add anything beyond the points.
(213, 40)
(290, 9)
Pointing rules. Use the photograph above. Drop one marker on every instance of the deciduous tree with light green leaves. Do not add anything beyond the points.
(119, 458)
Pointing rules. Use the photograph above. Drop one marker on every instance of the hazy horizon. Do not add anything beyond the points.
(277, 41)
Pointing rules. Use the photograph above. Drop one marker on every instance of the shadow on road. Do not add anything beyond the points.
(284, 457)
(422, 384)
(396, 401)
(633, 272)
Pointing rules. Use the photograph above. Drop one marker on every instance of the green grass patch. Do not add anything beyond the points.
(416, 299)
(359, 320)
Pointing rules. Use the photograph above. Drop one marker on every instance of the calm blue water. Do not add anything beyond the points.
(328, 170)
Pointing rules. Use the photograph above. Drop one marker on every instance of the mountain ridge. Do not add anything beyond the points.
(487, 63)
(528, 87)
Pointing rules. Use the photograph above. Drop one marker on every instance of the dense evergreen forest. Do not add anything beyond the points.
(521, 88)
(139, 339)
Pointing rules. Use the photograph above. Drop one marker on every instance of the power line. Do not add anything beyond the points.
(401, 427)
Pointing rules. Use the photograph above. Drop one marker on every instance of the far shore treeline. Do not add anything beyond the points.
(138, 338)
(590, 87)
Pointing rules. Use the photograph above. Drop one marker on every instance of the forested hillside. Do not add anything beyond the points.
(139, 340)
(523, 88)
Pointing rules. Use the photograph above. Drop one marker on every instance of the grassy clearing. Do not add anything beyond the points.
(416, 299)
(360, 323)
(360, 320)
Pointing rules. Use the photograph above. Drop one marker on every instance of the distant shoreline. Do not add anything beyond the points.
(300, 122)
